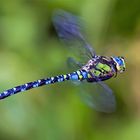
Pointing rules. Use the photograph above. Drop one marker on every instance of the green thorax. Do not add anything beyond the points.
(100, 68)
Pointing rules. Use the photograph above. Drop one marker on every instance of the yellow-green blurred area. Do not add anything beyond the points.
(30, 50)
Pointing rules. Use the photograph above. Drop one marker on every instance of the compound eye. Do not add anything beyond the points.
(119, 61)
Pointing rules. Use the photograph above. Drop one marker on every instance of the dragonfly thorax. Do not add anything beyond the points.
(99, 68)
(89, 65)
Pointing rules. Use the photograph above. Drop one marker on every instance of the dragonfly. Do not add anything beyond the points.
(90, 69)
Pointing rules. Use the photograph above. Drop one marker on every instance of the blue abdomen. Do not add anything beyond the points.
(79, 75)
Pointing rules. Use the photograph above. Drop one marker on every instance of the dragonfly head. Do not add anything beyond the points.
(119, 63)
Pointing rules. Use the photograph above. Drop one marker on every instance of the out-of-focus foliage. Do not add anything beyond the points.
(30, 50)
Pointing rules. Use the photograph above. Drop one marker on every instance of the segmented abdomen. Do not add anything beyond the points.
(78, 75)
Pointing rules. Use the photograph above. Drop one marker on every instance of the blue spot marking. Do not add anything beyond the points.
(35, 84)
(84, 74)
(48, 81)
(23, 87)
(74, 76)
(119, 61)
(5, 93)
(10, 92)
(59, 80)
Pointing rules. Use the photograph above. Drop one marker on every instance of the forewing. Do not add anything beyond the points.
(98, 96)
(73, 64)
(71, 31)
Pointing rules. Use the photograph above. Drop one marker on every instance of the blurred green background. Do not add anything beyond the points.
(30, 50)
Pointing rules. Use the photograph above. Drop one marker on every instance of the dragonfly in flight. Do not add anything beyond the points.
(91, 70)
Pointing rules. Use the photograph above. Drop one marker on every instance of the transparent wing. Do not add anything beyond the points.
(73, 64)
(98, 96)
(70, 30)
